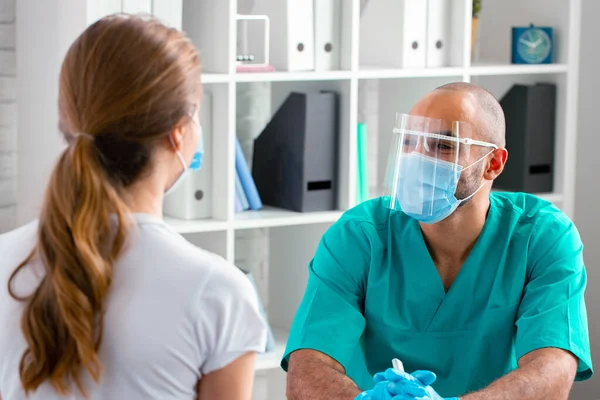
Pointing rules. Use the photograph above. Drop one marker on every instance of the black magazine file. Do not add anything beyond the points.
(295, 163)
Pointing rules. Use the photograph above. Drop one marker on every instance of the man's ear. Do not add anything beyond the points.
(496, 164)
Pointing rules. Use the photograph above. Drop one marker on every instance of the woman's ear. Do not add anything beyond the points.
(496, 164)
(176, 137)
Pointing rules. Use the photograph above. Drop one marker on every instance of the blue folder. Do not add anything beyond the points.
(241, 166)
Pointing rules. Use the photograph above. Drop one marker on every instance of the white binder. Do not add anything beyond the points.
(169, 12)
(292, 33)
(414, 33)
(327, 34)
(394, 34)
(98, 9)
(193, 198)
(439, 31)
(137, 6)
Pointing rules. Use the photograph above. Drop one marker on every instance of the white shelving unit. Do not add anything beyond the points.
(293, 237)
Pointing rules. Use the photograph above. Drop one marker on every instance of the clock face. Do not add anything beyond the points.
(534, 46)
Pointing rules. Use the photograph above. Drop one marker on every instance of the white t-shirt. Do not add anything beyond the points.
(173, 314)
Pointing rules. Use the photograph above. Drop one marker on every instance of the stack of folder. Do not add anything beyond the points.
(422, 33)
(362, 166)
(246, 195)
(304, 35)
(169, 12)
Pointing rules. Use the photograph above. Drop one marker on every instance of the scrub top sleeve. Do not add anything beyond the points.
(229, 320)
(552, 312)
(330, 319)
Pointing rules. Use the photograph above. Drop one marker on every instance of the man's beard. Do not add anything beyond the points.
(469, 183)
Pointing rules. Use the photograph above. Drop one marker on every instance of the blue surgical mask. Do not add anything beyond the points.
(427, 186)
(195, 165)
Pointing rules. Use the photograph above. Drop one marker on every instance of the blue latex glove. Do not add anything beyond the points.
(379, 392)
(422, 378)
(397, 384)
(386, 390)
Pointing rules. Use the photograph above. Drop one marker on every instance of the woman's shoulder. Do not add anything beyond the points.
(228, 316)
(185, 260)
(161, 247)
(16, 245)
(24, 235)
(229, 278)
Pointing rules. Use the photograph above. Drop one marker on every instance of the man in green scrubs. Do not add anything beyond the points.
(484, 289)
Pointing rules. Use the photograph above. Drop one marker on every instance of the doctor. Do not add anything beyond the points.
(483, 290)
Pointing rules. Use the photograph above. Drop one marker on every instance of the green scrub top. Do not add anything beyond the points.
(374, 294)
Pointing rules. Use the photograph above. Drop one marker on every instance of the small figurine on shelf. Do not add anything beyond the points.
(253, 43)
(245, 58)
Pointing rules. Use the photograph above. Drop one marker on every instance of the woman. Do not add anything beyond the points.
(110, 303)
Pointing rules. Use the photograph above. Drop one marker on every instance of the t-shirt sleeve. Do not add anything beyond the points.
(229, 321)
(552, 312)
(330, 317)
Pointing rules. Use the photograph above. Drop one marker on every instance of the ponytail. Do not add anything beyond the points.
(63, 319)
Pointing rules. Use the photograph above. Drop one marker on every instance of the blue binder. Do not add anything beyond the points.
(239, 191)
(241, 166)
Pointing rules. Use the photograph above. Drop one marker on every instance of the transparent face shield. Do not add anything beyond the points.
(427, 157)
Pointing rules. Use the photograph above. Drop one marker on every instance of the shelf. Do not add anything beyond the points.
(195, 226)
(479, 69)
(273, 217)
(270, 217)
(374, 72)
(272, 359)
(368, 72)
(371, 72)
(209, 77)
(282, 76)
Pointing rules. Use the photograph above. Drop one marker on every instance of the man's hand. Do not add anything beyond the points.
(403, 386)
(395, 385)
(314, 375)
(545, 374)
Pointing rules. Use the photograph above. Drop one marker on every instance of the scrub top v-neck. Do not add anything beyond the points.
(374, 294)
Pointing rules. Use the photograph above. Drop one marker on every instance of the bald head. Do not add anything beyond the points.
(468, 103)
(488, 119)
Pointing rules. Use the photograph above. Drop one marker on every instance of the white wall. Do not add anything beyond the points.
(41, 25)
(587, 189)
(45, 30)
(8, 115)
